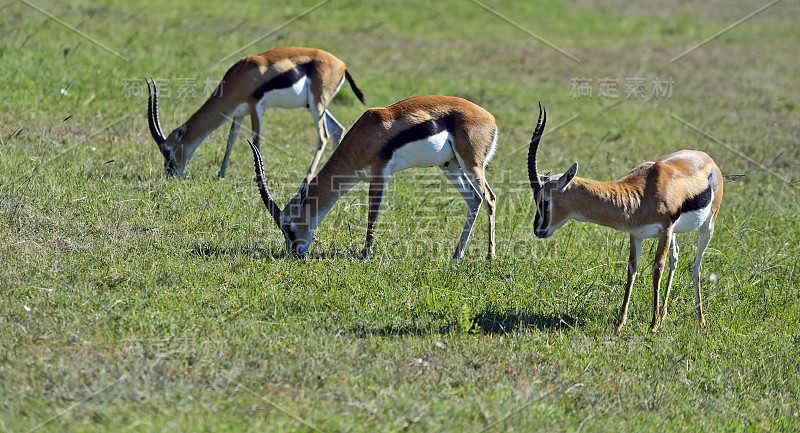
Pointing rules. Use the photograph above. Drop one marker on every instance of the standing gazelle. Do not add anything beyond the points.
(424, 131)
(288, 77)
(679, 193)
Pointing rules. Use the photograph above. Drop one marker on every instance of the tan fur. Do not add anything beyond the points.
(645, 203)
(237, 87)
(357, 159)
(649, 194)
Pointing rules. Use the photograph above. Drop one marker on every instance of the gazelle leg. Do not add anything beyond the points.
(703, 238)
(376, 190)
(335, 128)
(471, 197)
(255, 123)
(658, 269)
(633, 264)
(476, 176)
(318, 113)
(673, 264)
(235, 125)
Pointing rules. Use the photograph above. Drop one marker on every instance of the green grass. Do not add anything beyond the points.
(133, 301)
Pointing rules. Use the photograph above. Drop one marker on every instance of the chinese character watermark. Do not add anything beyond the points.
(662, 89)
(608, 88)
(181, 88)
(581, 88)
(614, 88)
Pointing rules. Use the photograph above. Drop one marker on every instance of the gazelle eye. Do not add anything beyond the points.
(544, 205)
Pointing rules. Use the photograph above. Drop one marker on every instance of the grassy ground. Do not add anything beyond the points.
(134, 301)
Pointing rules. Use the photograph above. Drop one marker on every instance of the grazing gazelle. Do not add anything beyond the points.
(288, 77)
(678, 193)
(424, 131)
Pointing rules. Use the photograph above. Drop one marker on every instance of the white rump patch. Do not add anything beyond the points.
(295, 96)
(691, 221)
(429, 152)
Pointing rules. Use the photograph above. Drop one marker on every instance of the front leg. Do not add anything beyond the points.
(376, 190)
(255, 123)
(633, 264)
(658, 269)
(237, 123)
(673, 264)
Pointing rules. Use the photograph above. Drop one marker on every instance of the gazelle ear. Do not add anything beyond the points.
(303, 193)
(566, 178)
(180, 132)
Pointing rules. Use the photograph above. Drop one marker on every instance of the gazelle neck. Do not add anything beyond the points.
(205, 120)
(611, 204)
(332, 182)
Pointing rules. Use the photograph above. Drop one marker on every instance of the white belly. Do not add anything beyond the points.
(690, 221)
(295, 96)
(429, 152)
(645, 232)
(686, 222)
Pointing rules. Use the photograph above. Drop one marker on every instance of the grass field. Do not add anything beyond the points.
(131, 301)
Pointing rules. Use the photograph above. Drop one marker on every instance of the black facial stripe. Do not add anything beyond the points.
(699, 201)
(419, 131)
(282, 81)
(289, 233)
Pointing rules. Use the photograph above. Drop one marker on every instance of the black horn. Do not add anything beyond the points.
(152, 114)
(272, 207)
(533, 171)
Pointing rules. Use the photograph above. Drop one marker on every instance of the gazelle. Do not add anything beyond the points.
(678, 193)
(424, 131)
(288, 77)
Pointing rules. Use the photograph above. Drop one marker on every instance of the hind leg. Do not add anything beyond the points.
(335, 128)
(703, 238)
(477, 178)
(317, 112)
(471, 197)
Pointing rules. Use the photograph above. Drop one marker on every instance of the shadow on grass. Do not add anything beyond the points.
(398, 331)
(505, 323)
(276, 252)
(485, 323)
(209, 250)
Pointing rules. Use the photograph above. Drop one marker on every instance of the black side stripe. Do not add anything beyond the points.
(699, 201)
(282, 81)
(419, 131)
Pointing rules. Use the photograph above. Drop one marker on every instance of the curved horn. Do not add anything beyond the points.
(533, 172)
(152, 114)
(262, 187)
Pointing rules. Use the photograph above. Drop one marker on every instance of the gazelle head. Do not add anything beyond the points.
(294, 220)
(553, 208)
(172, 149)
